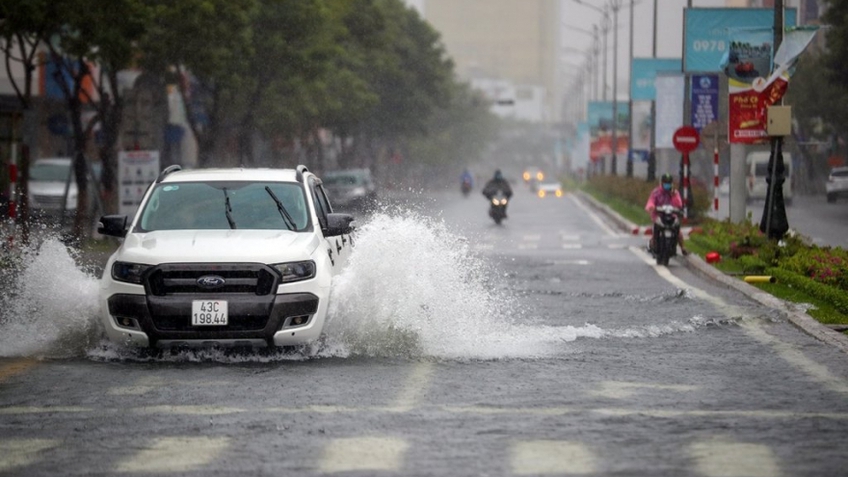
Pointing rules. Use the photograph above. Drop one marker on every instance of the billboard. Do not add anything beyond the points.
(644, 72)
(669, 108)
(704, 100)
(706, 31)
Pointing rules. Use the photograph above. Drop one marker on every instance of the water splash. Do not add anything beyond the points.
(48, 305)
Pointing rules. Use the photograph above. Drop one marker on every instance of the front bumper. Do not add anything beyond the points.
(163, 321)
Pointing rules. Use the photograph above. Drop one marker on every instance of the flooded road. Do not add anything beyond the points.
(549, 345)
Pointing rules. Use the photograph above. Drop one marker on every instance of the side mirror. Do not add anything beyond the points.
(339, 224)
(113, 225)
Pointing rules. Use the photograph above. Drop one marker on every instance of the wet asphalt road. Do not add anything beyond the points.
(640, 371)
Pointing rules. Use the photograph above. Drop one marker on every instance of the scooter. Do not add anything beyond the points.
(497, 207)
(666, 231)
(466, 187)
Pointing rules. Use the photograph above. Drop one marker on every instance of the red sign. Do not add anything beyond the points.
(686, 139)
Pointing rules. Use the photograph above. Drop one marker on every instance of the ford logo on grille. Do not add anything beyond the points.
(211, 282)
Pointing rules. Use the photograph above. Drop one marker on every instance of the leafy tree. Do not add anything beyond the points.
(207, 40)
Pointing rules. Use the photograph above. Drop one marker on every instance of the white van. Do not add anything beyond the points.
(757, 165)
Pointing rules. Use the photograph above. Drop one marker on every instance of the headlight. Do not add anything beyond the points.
(129, 272)
(296, 271)
(541, 193)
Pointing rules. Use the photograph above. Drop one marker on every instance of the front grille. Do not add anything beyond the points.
(236, 323)
(239, 278)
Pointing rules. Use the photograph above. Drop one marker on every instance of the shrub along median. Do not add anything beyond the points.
(805, 274)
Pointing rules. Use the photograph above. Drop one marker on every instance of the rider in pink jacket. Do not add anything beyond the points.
(664, 194)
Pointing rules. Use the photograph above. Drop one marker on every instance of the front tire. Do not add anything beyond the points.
(831, 198)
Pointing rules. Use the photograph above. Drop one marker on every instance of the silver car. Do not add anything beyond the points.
(837, 184)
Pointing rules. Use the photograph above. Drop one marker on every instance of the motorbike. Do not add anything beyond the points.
(466, 187)
(666, 230)
(497, 207)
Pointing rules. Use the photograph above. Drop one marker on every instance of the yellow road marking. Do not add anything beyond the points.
(16, 367)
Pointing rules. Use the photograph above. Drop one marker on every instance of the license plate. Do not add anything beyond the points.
(209, 313)
(668, 233)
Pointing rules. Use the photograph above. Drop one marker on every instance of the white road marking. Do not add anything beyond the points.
(753, 328)
(414, 387)
(175, 454)
(363, 453)
(484, 246)
(727, 458)
(43, 409)
(592, 215)
(551, 457)
(188, 410)
(569, 237)
(624, 390)
(532, 238)
(528, 246)
(571, 246)
(20, 452)
(571, 262)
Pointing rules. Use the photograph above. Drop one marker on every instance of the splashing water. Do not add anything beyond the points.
(411, 289)
(48, 304)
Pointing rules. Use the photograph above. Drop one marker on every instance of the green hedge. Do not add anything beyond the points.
(637, 190)
(834, 296)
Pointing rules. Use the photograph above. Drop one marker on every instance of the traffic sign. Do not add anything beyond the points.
(686, 139)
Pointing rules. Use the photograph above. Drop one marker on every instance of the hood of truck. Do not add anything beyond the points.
(197, 246)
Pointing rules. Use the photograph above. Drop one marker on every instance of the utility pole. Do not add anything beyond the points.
(652, 153)
(774, 222)
(615, 4)
(630, 102)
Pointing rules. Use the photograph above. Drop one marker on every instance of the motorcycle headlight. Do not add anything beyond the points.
(129, 272)
(296, 271)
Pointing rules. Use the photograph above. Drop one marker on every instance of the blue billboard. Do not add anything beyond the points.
(704, 100)
(706, 33)
(644, 72)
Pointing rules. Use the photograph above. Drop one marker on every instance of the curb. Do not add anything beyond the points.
(801, 320)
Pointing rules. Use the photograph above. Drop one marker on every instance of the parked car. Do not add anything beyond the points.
(48, 179)
(231, 257)
(757, 164)
(837, 184)
(351, 189)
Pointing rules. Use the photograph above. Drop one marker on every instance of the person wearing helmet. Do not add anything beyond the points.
(664, 194)
(497, 184)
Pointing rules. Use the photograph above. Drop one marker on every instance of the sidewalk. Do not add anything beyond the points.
(696, 263)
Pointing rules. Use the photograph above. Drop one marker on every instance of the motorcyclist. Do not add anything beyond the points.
(497, 184)
(466, 182)
(664, 194)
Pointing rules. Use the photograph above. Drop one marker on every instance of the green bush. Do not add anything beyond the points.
(637, 190)
(834, 296)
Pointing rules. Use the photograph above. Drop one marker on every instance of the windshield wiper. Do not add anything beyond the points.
(282, 210)
(228, 210)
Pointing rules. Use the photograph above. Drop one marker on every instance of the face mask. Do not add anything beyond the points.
(666, 187)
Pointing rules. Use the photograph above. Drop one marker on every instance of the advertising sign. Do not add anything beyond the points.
(750, 96)
(641, 134)
(704, 100)
(669, 108)
(599, 117)
(705, 34)
(644, 72)
(136, 170)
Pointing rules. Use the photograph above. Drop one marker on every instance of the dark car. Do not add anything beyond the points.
(351, 189)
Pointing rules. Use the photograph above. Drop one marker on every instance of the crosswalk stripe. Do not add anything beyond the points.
(363, 453)
(551, 457)
(572, 246)
(21, 452)
(727, 458)
(175, 454)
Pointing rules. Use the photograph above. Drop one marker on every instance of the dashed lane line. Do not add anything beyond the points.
(624, 390)
(414, 387)
(721, 457)
(753, 328)
(176, 454)
(16, 453)
(363, 454)
(545, 457)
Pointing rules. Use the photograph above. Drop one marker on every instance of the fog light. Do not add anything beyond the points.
(126, 322)
(299, 320)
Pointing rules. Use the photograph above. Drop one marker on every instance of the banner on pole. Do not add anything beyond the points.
(704, 100)
(669, 108)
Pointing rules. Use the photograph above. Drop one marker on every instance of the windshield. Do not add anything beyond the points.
(49, 172)
(207, 205)
(341, 180)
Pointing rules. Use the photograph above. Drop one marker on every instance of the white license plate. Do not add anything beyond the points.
(209, 313)
(668, 233)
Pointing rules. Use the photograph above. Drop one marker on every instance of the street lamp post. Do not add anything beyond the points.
(615, 5)
(630, 102)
